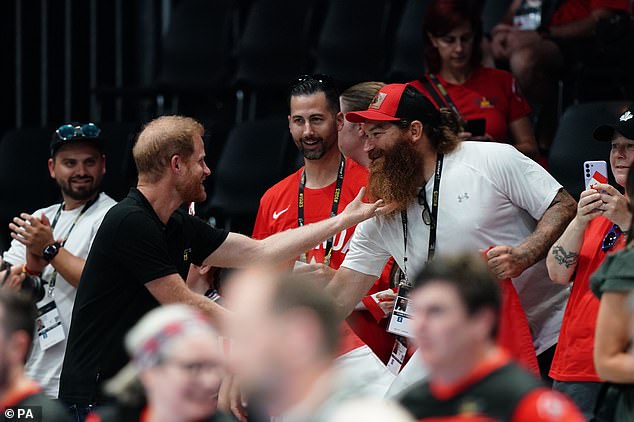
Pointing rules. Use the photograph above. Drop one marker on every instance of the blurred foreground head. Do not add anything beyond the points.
(176, 362)
(286, 335)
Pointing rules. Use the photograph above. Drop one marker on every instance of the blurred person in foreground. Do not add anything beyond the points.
(19, 393)
(145, 246)
(603, 217)
(456, 304)
(456, 78)
(175, 371)
(53, 242)
(286, 337)
(612, 283)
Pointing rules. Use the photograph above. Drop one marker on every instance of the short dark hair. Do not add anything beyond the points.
(292, 293)
(442, 17)
(472, 279)
(306, 85)
(18, 313)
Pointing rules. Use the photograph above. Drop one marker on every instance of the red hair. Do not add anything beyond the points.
(441, 18)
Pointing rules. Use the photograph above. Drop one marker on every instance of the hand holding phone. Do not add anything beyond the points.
(595, 172)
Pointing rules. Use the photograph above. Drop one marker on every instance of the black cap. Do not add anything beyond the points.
(74, 133)
(624, 125)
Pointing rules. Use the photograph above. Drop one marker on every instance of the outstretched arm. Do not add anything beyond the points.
(241, 251)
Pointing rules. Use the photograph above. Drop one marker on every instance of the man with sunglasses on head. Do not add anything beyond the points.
(53, 243)
(321, 189)
(603, 217)
(474, 196)
(145, 246)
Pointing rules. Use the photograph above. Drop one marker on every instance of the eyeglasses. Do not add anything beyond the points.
(422, 200)
(611, 237)
(325, 80)
(68, 132)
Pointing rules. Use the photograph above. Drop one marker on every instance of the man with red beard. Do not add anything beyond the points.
(475, 196)
(326, 183)
(144, 247)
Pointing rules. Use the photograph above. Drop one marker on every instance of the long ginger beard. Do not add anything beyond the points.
(396, 174)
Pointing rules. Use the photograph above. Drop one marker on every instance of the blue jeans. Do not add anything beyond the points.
(584, 395)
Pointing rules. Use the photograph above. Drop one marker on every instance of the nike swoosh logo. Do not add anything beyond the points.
(276, 214)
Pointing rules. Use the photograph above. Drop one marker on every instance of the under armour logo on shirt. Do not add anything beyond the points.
(463, 197)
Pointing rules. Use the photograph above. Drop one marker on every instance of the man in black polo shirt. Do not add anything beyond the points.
(456, 305)
(142, 252)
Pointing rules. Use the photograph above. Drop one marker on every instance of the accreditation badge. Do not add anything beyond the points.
(48, 324)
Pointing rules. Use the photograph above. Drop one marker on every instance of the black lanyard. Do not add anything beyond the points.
(431, 250)
(52, 281)
(333, 212)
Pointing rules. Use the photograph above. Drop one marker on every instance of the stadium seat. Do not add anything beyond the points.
(274, 49)
(354, 40)
(25, 184)
(574, 143)
(407, 60)
(257, 155)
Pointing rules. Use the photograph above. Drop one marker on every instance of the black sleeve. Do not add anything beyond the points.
(141, 248)
(205, 239)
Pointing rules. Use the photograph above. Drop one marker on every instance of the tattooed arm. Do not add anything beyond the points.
(562, 257)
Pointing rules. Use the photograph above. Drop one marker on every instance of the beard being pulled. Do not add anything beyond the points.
(395, 175)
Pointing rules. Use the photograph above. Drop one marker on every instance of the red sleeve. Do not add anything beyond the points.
(623, 5)
(544, 405)
(261, 229)
(518, 106)
(93, 417)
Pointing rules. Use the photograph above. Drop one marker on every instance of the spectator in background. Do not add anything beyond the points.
(351, 136)
(612, 284)
(487, 194)
(537, 41)
(174, 374)
(369, 320)
(286, 338)
(326, 183)
(53, 242)
(17, 390)
(456, 305)
(603, 215)
(488, 100)
(143, 250)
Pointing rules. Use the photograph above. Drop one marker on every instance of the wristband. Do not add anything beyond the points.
(26, 270)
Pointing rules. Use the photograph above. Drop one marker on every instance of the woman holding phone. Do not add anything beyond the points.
(603, 216)
(488, 100)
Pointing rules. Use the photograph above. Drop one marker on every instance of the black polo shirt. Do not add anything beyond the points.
(131, 248)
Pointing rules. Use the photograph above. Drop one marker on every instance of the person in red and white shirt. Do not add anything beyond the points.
(456, 306)
(319, 190)
(603, 216)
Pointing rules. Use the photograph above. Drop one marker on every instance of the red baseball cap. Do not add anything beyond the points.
(396, 102)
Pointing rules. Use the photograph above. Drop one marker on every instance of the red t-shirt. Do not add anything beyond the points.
(489, 94)
(573, 359)
(540, 405)
(278, 212)
(575, 10)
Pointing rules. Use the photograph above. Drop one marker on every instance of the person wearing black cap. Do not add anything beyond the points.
(53, 243)
(475, 196)
(603, 215)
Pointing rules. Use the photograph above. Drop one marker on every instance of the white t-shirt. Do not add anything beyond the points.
(490, 195)
(42, 366)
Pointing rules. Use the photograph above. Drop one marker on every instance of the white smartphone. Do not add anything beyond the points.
(595, 172)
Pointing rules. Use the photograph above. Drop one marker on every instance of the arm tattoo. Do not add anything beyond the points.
(564, 257)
